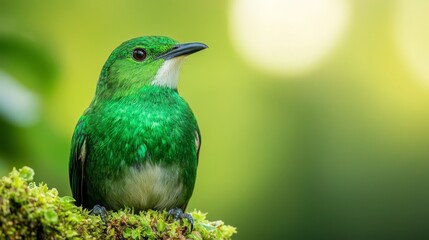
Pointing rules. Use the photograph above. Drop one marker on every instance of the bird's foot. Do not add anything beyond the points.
(101, 211)
(178, 213)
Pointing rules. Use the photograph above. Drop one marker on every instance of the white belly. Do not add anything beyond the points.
(150, 186)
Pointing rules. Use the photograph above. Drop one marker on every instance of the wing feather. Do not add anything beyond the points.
(197, 143)
(78, 155)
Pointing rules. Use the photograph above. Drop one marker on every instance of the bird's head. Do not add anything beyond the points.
(143, 61)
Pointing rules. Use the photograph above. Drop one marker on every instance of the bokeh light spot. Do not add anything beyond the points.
(412, 36)
(18, 105)
(287, 36)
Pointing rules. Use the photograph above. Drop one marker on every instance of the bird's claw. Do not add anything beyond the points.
(101, 211)
(178, 213)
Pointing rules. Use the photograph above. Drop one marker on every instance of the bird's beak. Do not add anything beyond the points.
(183, 50)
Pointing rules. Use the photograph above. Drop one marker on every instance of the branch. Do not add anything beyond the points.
(31, 211)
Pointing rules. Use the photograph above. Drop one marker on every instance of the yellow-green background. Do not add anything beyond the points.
(340, 151)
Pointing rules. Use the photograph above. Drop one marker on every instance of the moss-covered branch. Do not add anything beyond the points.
(33, 211)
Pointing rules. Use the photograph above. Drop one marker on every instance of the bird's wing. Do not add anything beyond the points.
(197, 143)
(78, 156)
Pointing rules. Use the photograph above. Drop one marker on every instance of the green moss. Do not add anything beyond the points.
(33, 211)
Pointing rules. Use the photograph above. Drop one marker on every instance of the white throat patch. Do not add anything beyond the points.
(168, 74)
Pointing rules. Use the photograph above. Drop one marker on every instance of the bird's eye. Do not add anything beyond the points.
(139, 54)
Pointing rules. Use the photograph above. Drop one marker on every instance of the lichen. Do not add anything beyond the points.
(34, 211)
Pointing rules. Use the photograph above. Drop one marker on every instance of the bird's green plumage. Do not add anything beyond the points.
(133, 134)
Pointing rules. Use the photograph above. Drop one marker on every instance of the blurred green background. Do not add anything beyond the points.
(314, 113)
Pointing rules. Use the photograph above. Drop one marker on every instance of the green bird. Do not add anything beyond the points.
(138, 142)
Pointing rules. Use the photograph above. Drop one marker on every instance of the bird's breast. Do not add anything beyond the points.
(165, 129)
